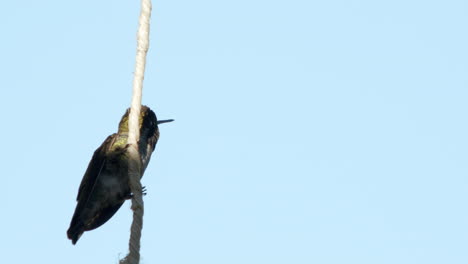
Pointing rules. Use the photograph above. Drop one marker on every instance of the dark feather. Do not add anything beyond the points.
(91, 212)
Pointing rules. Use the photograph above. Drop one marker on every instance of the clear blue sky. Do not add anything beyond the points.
(323, 132)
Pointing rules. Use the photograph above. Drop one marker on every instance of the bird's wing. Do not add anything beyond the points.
(94, 168)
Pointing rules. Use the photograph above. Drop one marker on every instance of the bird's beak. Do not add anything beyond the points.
(164, 121)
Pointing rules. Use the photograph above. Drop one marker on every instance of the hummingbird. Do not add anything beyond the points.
(105, 184)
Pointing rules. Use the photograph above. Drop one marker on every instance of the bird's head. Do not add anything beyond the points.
(147, 121)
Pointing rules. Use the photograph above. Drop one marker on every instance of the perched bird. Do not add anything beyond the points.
(105, 184)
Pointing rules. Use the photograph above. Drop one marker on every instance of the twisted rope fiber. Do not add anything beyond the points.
(133, 256)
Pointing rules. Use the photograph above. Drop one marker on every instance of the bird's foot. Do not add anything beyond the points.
(130, 195)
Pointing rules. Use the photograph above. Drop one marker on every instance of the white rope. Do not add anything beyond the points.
(134, 171)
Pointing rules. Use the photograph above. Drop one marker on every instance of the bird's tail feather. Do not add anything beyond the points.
(75, 231)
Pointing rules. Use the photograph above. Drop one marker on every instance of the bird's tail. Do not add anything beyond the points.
(75, 231)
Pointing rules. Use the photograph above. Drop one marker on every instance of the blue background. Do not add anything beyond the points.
(306, 131)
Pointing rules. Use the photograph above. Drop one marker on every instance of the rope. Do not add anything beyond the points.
(134, 171)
